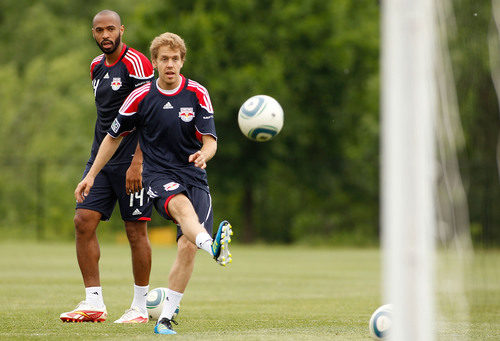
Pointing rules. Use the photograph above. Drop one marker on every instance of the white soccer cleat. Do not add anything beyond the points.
(133, 315)
(85, 313)
(220, 246)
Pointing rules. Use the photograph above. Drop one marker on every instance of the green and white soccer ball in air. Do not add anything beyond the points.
(154, 303)
(381, 322)
(260, 118)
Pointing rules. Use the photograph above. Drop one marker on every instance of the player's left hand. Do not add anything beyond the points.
(133, 181)
(199, 159)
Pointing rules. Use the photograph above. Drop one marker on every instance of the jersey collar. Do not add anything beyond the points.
(119, 58)
(172, 92)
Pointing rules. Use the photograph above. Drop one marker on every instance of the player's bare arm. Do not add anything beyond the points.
(206, 153)
(133, 182)
(108, 147)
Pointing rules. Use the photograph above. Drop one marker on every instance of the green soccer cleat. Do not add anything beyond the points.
(220, 245)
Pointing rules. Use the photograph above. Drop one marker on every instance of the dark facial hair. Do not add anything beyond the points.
(116, 43)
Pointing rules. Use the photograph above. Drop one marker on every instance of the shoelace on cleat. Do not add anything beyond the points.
(165, 321)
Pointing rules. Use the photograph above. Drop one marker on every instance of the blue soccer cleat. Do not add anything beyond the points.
(164, 326)
(220, 245)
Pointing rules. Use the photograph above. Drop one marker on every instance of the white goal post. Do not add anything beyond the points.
(408, 110)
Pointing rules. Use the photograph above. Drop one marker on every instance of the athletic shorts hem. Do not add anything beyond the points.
(138, 219)
(104, 217)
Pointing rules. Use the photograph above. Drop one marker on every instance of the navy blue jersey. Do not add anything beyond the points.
(170, 126)
(112, 84)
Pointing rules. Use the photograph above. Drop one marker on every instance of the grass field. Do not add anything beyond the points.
(267, 293)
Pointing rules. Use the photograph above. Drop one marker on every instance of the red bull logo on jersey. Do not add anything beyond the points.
(116, 83)
(186, 114)
(171, 186)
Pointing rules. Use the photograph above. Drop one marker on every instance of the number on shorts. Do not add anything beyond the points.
(137, 195)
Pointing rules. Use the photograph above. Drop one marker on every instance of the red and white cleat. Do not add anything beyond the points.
(133, 315)
(85, 313)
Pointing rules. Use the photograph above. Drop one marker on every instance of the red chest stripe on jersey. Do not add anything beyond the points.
(137, 64)
(129, 107)
(201, 94)
(94, 62)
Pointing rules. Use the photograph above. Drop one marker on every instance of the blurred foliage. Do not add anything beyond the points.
(315, 182)
(479, 112)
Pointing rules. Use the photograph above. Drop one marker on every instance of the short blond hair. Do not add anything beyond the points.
(169, 39)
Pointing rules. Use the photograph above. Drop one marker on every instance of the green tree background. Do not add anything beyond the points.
(316, 182)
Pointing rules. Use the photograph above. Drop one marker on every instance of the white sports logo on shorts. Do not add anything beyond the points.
(171, 186)
(152, 194)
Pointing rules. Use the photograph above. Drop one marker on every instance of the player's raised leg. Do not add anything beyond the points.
(181, 209)
(88, 254)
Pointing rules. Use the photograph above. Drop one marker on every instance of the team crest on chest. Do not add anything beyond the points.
(186, 114)
(116, 83)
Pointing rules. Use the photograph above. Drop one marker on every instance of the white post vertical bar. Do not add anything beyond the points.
(408, 167)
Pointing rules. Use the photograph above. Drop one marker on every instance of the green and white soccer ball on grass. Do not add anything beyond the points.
(154, 303)
(260, 118)
(381, 322)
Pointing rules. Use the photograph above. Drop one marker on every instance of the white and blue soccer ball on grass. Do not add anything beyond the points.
(260, 118)
(381, 322)
(154, 303)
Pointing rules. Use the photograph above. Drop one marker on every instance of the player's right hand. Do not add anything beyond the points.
(83, 189)
(133, 178)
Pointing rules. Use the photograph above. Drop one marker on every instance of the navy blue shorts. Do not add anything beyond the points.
(162, 188)
(109, 187)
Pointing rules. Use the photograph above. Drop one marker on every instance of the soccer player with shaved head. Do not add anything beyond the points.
(175, 120)
(115, 73)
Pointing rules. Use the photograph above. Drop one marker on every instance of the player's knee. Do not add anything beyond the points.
(85, 223)
(136, 232)
(186, 248)
(180, 208)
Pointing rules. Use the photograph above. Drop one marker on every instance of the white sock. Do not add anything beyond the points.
(204, 242)
(93, 296)
(172, 300)
(140, 294)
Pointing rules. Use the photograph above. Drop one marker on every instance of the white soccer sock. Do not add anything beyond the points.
(93, 296)
(204, 242)
(140, 294)
(172, 300)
